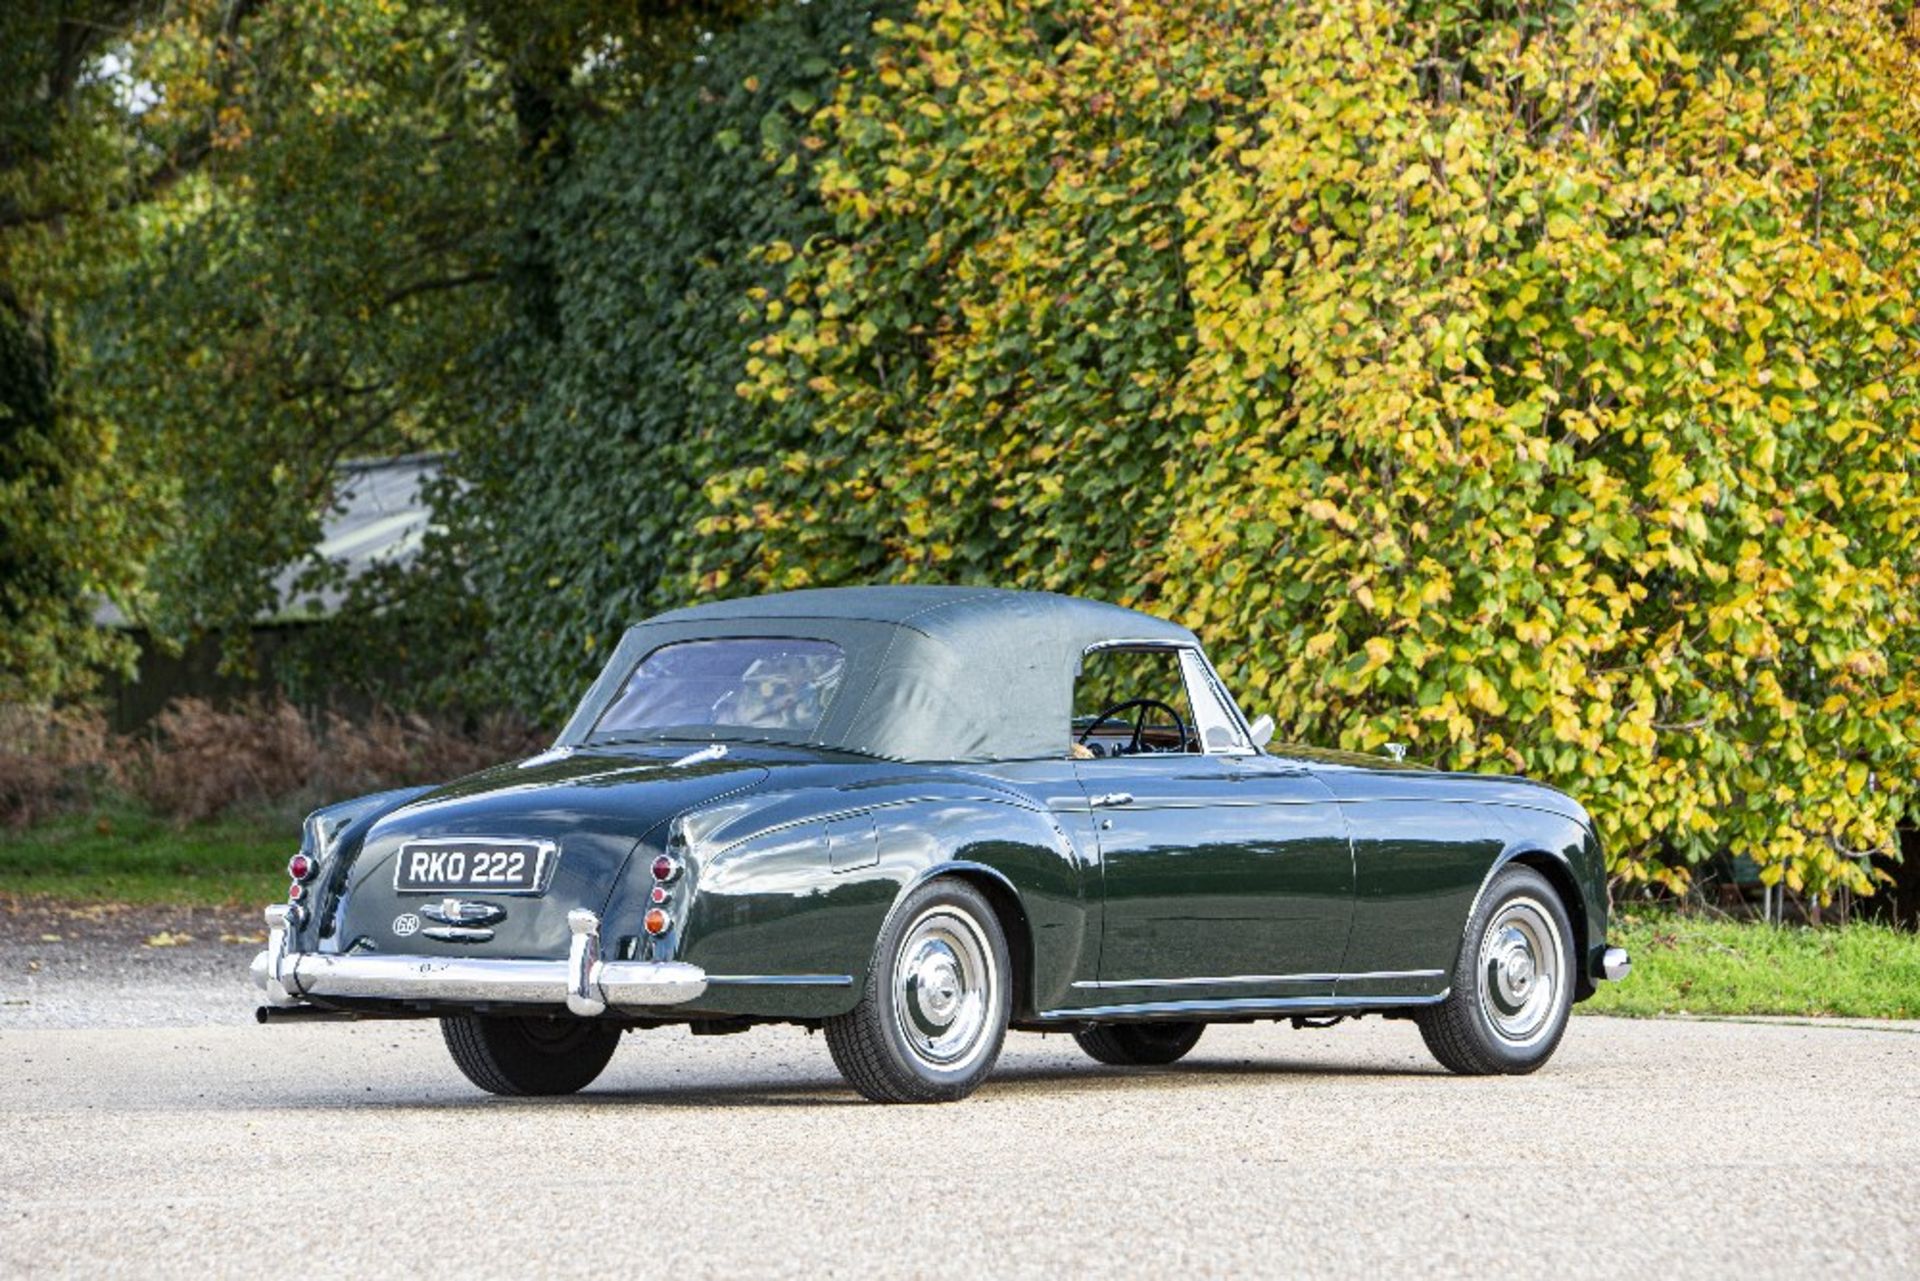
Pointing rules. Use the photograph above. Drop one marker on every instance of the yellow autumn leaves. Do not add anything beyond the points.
(1541, 394)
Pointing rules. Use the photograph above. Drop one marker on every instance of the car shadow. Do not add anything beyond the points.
(829, 1091)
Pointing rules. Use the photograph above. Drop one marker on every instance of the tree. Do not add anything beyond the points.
(337, 255)
(75, 519)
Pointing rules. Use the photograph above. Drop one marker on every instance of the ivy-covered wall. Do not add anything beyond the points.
(584, 508)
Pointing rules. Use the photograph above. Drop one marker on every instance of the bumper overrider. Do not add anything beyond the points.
(584, 983)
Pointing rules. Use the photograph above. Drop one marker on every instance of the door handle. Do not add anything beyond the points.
(1106, 799)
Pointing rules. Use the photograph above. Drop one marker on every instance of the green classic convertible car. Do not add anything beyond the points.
(917, 817)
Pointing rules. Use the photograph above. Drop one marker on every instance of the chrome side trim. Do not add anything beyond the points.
(458, 933)
(548, 757)
(780, 980)
(1251, 1005)
(1230, 979)
(700, 756)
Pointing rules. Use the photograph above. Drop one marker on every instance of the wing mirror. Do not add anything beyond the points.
(1262, 730)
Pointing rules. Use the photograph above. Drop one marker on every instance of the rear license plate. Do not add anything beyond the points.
(474, 863)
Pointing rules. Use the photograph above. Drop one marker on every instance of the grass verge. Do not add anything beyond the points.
(1696, 965)
(123, 855)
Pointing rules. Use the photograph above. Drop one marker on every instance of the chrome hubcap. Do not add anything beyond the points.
(1520, 971)
(943, 988)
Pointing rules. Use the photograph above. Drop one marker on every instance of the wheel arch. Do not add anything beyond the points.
(1555, 869)
(1009, 912)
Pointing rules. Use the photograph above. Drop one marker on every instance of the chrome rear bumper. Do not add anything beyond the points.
(584, 983)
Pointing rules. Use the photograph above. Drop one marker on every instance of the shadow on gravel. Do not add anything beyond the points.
(831, 1092)
(809, 1092)
(1201, 1073)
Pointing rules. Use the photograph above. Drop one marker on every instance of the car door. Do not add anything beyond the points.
(1226, 875)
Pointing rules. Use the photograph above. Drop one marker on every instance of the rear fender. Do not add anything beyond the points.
(782, 932)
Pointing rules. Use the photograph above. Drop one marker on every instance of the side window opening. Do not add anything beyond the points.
(1129, 702)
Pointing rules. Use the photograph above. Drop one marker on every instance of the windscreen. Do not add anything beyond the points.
(749, 684)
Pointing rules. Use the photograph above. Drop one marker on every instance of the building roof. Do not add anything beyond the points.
(380, 517)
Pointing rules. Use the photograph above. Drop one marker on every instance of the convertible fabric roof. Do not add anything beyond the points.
(933, 673)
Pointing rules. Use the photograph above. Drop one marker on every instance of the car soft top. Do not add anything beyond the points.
(933, 673)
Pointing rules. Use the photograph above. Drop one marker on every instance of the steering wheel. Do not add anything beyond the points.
(1139, 721)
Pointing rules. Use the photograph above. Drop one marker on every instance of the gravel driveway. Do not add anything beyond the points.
(146, 1127)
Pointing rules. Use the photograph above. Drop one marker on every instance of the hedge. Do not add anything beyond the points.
(1536, 390)
(1534, 385)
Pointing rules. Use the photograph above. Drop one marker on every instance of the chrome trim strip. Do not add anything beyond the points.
(780, 980)
(1225, 980)
(700, 756)
(458, 933)
(1248, 1005)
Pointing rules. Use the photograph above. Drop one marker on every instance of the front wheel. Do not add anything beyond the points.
(516, 1056)
(929, 1025)
(1513, 985)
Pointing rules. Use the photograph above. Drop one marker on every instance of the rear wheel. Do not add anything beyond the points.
(522, 1056)
(929, 1025)
(1513, 985)
(1140, 1044)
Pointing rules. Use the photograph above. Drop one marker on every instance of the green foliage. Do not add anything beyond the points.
(1539, 389)
(1690, 965)
(581, 508)
(315, 291)
(75, 517)
(261, 238)
(122, 853)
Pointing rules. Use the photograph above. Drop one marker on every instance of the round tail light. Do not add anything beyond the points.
(296, 892)
(665, 868)
(660, 894)
(657, 922)
(301, 867)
